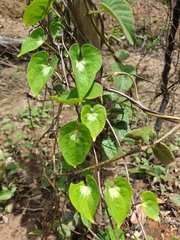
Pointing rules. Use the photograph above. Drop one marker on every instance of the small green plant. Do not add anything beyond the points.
(14, 141)
(35, 117)
(158, 172)
(8, 171)
(8, 167)
(17, 73)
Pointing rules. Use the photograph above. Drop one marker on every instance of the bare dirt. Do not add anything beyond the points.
(33, 206)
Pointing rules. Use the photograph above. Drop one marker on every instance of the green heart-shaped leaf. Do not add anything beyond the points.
(123, 82)
(163, 153)
(110, 147)
(118, 198)
(122, 12)
(144, 134)
(74, 142)
(120, 128)
(94, 118)
(36, 11)
(85, 198)
(35, 40)
(150, 205)
(86, 62)
(39, 70)
(95, 91)
(55, 26)
(123, 55)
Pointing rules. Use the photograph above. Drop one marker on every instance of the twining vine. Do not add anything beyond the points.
(77, 65)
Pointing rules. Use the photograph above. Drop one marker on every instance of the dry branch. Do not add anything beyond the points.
(168, 60)
(9, 41)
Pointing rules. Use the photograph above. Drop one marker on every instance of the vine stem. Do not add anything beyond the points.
(120, 147)
(97, 174)
(168, 133)
(56, 201)
(131, 152)
(132, 79)
(142, 107)
(50, 47)
(125, 165)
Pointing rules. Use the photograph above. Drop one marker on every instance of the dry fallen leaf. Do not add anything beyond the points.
(141, 214)
(160, 201)
(5, 219)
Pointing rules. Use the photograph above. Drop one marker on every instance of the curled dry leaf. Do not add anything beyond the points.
(141, 215)
(5, 219)
(160, 201)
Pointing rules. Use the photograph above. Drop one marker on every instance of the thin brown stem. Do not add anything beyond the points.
(56, 198)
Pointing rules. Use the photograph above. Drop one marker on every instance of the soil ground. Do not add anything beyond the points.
(30, 207)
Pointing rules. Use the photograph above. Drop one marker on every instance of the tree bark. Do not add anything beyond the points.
(84, 30)
(168, 59)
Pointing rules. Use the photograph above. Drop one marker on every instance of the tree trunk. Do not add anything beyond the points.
(84, 30)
